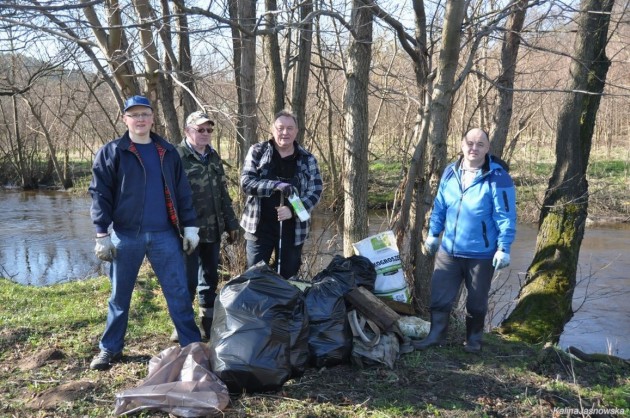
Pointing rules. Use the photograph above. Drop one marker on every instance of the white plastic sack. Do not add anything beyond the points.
(382, 251)
(179, 382)
(413, 327)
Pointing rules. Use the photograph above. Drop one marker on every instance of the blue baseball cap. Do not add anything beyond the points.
(137, 101)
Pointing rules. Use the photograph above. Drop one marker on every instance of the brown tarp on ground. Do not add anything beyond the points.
(179, 382)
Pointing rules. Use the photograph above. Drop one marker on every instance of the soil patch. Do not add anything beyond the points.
(54, 397)
(39, 359)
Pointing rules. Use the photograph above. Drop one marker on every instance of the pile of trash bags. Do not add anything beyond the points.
(266, 331)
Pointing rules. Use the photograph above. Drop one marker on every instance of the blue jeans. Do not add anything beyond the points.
(260, 247)
(448, 274)
(202, 273)
(164, 251)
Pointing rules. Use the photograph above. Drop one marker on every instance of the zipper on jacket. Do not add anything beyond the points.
(459, 208)
(136, 154)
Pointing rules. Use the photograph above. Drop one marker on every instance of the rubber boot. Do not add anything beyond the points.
(474, 333)
(206, 315)
(437, 334)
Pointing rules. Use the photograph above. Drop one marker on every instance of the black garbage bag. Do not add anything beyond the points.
(364, 271)
(330, 336)
(259, 333)
(341, 269)
(352, 271)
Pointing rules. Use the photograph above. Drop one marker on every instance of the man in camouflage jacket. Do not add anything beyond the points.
(215, 213)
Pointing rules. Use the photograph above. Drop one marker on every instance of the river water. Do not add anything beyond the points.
(48, 238)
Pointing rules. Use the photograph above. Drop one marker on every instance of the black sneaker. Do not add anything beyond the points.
(104, 360)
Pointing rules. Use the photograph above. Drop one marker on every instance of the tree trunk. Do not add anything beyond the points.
(237, 47)
(303, 68)
(505, 83)
(185, 70)
(407, 228)
(272, 50)
(157, 87)
(439, 117)
(355, 177)
(334, 183)
(114, 45)
(18, 153)
(247, 19)
(545, 301)
(114, 87)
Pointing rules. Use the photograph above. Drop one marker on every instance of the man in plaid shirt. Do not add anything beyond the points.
(273, 170)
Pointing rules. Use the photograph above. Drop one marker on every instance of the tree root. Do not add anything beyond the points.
(597, 357)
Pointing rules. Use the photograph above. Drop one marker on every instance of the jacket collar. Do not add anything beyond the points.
(298, 147)
(484, 168)
(125, 141)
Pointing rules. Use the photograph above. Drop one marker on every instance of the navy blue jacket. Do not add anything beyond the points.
(118, 186)
(479, 220)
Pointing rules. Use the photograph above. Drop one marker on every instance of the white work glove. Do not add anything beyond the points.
(104, 249)
(500, 260)
(431, 245)
(191, 239)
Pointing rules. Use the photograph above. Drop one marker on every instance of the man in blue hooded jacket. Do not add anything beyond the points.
(475, 211)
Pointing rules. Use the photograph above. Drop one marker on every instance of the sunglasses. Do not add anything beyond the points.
(202, 130)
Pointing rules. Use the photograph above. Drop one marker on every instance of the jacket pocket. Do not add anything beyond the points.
(484, 230)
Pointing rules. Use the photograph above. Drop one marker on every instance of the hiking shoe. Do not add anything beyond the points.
(104, 360)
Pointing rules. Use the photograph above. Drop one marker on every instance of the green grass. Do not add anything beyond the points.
(384, 180)
(508, 379)
(609, 169)
(71, 316)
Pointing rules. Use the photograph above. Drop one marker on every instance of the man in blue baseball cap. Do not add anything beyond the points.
(137, 101)
(139, 187)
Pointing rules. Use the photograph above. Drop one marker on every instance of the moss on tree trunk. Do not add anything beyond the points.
(544, 305)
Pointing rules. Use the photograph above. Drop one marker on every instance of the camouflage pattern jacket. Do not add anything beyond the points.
(211, 200)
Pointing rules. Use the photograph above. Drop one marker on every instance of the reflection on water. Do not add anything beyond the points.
(601, 322)
(48, 238)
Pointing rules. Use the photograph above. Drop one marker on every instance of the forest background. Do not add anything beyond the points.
(384, 88)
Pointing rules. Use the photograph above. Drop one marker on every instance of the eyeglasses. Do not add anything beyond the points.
(138, 116)
(202, 130)
(471, 144)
